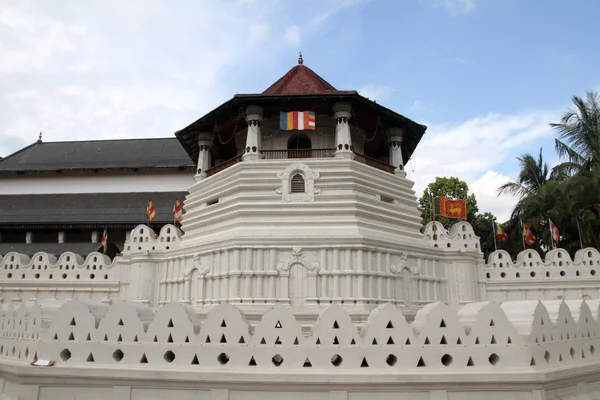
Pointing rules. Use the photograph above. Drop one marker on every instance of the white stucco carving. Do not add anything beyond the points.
(297, 258)
(309, 177)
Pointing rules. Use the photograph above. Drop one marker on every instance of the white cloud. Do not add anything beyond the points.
(376, 92)
(476, 150)
(421, 107)
(292, 35)
(453, 6)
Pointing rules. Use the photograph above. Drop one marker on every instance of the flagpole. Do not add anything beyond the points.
(494, 233)
(579, 232)
(522, 233)
(551, 238)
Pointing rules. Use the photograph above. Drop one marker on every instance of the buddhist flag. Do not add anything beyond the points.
(177, 212)
(528, 236)
(499, 232)
(297, 121)
(104, 240)
(150, 212)
(554, 231)
(450, 208)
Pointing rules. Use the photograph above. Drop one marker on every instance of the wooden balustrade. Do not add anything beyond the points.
(224, 165)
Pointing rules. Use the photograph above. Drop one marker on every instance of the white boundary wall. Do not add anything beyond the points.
(516, 350)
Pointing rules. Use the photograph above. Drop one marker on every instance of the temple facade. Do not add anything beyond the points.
(301, 268)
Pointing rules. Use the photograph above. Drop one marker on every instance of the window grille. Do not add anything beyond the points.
(297, 184)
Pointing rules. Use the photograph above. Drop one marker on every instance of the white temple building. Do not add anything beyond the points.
(301, 268)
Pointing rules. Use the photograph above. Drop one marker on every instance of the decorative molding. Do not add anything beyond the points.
(198, 264)
(402, 264)
(309, 181)
(297, 258)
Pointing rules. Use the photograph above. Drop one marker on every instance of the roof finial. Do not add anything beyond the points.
(300, 60)
(40, 138)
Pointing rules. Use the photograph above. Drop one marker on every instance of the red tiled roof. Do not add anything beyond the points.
(300, 80)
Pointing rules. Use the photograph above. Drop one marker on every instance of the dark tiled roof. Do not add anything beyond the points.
(56, 249)
(86, 208)
(98, 154)
(300, 80)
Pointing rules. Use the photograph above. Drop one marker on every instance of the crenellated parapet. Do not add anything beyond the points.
(459, 237)
(143, 240)
(484, 336)
(557, 276)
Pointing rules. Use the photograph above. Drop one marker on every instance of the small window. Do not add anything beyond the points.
(297, 184)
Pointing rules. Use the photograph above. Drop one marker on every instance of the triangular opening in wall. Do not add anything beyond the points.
(470, 363)
(421, 363)
(71, 337)
(242, 340)
(427, 340)
(492, 322)
(195, 360)
(364, 363)
(389, 325)
(493, 341)
(56, 336)
(458, 341)
(187, 339)
(568, 336)
(335, 325)
(35, 357)
(277, 341)
(352, 341)
(542, 321)
(374, 341)
(207, 339)
(155, 339)
(442, 324)
(120, 338)
(509, 340)
(170, 339)
(407, 341)
(278, 325)
(318, 341)
(582, 354)
(335, 340)
(143, 360)
(73, 322)
(296, 342)
(121, 322)
(532, 362)
(88, 338)
(90, 358)
(390, 340)
(170, 324)
(560, 357)
(536, 340)
(106, 338)
(307, 363)
(252, 362)
(223, 339)
(263, 341)
(223, 324)
(477, 340)
(443, 340)
(135, 339)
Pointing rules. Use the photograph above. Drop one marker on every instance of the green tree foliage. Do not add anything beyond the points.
(570, 195)
(452, 188)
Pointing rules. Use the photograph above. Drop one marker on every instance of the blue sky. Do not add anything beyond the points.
(486, 76)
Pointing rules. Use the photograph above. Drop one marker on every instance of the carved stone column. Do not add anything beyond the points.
(394, 140)
(204, 143)
(254, 116)
(343, 139)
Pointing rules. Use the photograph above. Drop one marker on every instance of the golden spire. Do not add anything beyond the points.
(300, 60)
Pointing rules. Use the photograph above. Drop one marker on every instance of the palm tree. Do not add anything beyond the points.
(533, 174)
(579, 136)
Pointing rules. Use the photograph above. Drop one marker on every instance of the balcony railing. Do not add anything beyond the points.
(224, 165)
(302, 153)
(297, 153)
(374, 163)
